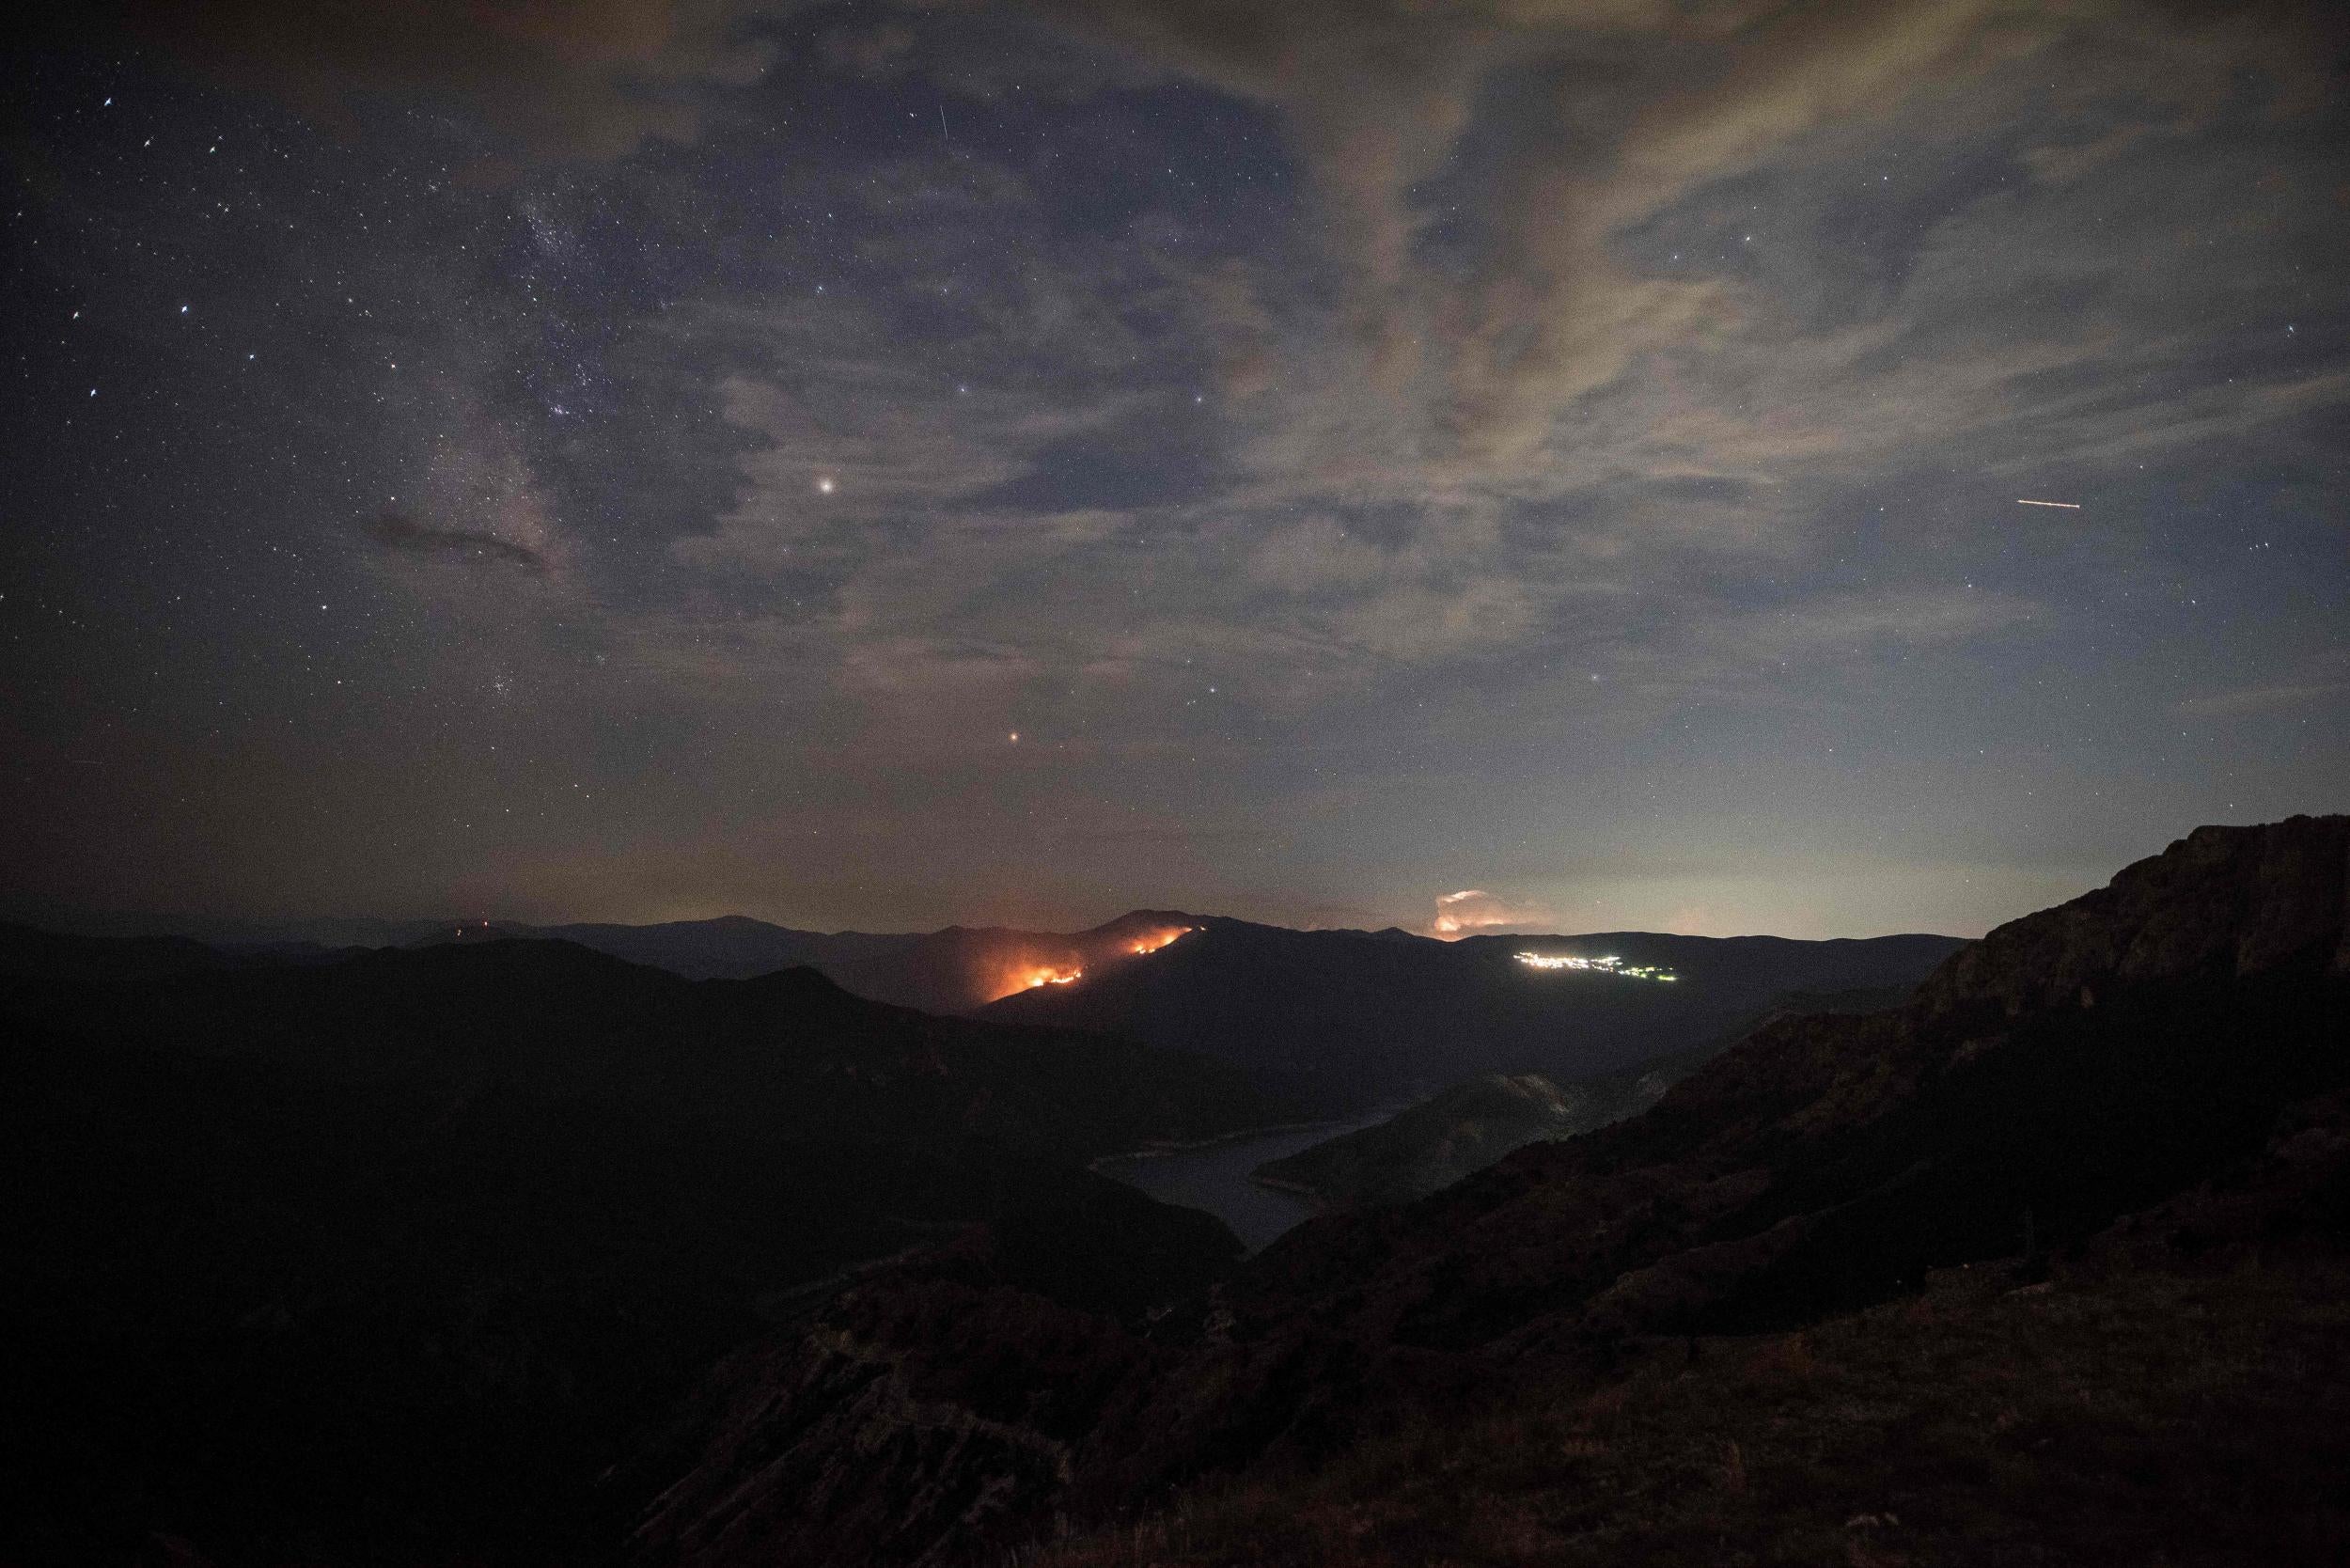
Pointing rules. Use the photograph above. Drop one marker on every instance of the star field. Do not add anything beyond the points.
(875, 465)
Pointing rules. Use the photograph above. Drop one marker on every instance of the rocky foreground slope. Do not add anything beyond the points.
(2148, 1075)
(384, 1260)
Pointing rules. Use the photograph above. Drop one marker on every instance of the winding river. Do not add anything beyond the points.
(1214, 1177)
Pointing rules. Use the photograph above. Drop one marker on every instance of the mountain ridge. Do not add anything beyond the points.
(406, 1246)
(1823, 1166)
(1350, 1020)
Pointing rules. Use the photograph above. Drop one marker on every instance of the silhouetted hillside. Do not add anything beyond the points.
(1337, 1021)
(518, 1253)
(45, 958)
(954, 970)
(1467, 1127)
(1348, 1019)
(2154, 1073)
(1451, 1135)
(386, 1260)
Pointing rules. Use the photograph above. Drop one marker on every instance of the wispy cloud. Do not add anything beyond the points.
(1282, 409)
(2259, 699)
(406, 535)
(589, 79)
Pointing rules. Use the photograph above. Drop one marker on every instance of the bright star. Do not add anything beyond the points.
(825, 485)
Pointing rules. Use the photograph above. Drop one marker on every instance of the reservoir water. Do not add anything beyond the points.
(1216, 1177)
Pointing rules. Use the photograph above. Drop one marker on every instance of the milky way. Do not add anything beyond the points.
(871, 465)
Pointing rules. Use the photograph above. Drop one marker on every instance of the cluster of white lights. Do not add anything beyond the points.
(1609, 965)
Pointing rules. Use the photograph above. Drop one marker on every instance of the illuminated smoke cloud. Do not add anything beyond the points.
(1473, 910)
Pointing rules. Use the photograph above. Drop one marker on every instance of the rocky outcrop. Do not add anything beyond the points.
(920, 1418)
(2077, 1066)
(2222, 902)
(832, 1449)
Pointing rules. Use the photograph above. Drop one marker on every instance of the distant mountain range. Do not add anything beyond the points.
(952, 970)
(405, 1246)
(1336, 1021)
(512, 1252)
(1345, 1020)
(958, 969)
(2092, 1149)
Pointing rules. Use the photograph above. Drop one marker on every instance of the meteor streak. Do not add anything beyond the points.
(2068, 505)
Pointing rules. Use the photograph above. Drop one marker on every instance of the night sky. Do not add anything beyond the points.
(881, 466)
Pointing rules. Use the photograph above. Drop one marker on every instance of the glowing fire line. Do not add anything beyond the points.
(1029, 972)
(1157, 939)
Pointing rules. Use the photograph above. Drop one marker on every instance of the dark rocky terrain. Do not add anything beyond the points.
(1704, 1333)
(1470, 1125)
(1346, 1020)
(515, 1253)
(1456, 1133)
(387, 1259)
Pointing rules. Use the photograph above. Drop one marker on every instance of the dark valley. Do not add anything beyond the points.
(514, 1251)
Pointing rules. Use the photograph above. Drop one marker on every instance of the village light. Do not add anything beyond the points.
(1611, 965)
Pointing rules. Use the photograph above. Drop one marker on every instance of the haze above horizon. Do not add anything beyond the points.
(1500, 466)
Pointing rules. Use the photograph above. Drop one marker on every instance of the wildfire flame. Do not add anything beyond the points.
(1158, 939)
(1010, 973)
